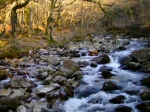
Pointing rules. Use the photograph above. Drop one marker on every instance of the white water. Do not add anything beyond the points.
(124, 78)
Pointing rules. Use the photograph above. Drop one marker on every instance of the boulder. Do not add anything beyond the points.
(123, 108)
(46, 89)
(63, 94)
(146, 67)
(102, 59)
(11, 103)
(106, 74)
(69, 90)
(117, 100)
(60, 80)
(83, 63)
(144, 106)
(71, 65)
(145, 81)
(17, 93)
(93, 64)
(109, 86)
(42, 75)
(95, 100)
(66, 72)
(18, 82)
(105, 68)
(141, 54)
(3, 108)
(53, 60)
(3, 75)
(77, 75)
(21, 108)
(58, 106)
(52, 95)
(145, 95)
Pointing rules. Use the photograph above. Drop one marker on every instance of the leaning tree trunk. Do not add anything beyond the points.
(14, 16)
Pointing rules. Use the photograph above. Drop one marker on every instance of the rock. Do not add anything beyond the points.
(36, 108)
(46, 89)
(106, 74)
(145, 95)
(144, 106)
(109, 86)
(17, 93)
(125, 42)
(124, 60)
(86, 90)
(77, 75)
(47, 80)
(17, 82)
(95, 100)
(42, 76)
(117, 100)
(105, 68)
(60, 80)
(123, 108)
(3, 75)
(83, 63)
(134, 65)
(21, 108)
(63, 95)
(11, 103)
(58, 107)
(145, 81)
(69, 90)
(146, 67)
(141, 54)
(74, 84)
(3, 108)
(93, 64)
(71, 65)
(75, 54)
(132, 90)
(54, 60)
(66, 72)
(102, 59)
(52, 95)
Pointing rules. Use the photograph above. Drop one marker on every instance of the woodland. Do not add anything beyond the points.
(34, 20)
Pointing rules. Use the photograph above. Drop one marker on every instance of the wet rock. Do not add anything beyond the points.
(36, 108)
(66, 72)
(17, 93)
(105, 68)
(83, 63)
(42, 75)
(123, 108)
(74, 84)
(141, 54)
(3, 108)
(10, 103)
(3, 75)
(46, 89)
(54, 60)
(93, 64)
(117, 100)
(132, 90)
(63, 95)
(146, 67)
(85, 91)
(102, 59)
(83, 106)
(95, 100)
(71, 65)
(21, 108)
(69, 90)
(144, 106)
(146, 81)
(5, 92)
(109, 86)
(77, 75)
(125, 42)
(106, 74)
(145, 95)
(134, 65)
(17, 82)
(75, 54)
(60, 80)
(52, 95)
(47, 80)
(124, 60)
(58, 107)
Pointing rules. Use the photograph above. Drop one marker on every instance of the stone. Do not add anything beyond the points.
(42, 75)
(69, 90)
(93, 64)
(3, 108)
(117, 100)
(36, 108)
(18, 82)
(66, 72)
(144, 106)
(52, 95)
(123, 108)
(95, 109)
(71, 65)
(11, 103)
(60, 80)
(83, 63)
(106, 74)
(54, 60)
(17, 93)
(145, 95)
(58, 107)
(102, 59)
(109, 86)
(95, 100)
(77, 75)
(3, 75)
(145, 81)
(63, 95)
(141, 54)
(47, 80)
(146, 67)
(21, 108)
(46, 89)
(105, 68)
(134, 65)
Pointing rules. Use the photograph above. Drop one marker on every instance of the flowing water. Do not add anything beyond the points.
(126, 79)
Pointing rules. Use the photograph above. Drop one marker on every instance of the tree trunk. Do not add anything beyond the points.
(14, 16)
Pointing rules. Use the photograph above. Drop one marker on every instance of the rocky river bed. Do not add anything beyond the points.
(81, 77)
